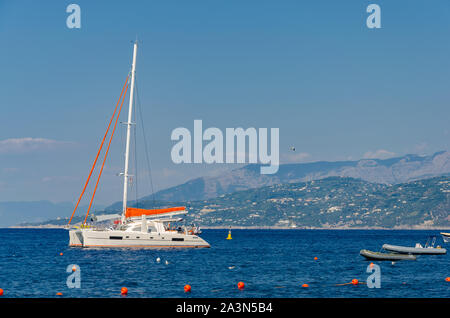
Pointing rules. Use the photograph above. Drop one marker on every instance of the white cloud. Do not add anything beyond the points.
(10, 170)
(420, 147)
(249, 156)
(28, 144)
(295, 157)
(58, 179)
(47, 179)
(379, 154)
(170, 172)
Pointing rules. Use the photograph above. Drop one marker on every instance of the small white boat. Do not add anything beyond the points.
(446, 237)
(429, 248)
(134, 227)
(417, 250)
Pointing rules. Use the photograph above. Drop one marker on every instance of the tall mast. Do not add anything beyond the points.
(129, 123)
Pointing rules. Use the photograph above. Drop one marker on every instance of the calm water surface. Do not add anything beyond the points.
(272, 263)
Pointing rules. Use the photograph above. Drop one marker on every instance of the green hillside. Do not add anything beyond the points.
(331, 202)
(334, 202)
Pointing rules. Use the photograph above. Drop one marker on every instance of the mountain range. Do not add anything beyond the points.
(378, 172)
(333, 202)
(385, 171)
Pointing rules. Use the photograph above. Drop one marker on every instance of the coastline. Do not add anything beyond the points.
(342, 228)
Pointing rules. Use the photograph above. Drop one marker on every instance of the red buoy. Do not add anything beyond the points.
(187, 288)
(447, 279)
(58, 294)
(355, 281)
(241, 285)
(124, 291)
(74, 268)
(315, 258)
(305, 285)
(61, 254)
(1, 292)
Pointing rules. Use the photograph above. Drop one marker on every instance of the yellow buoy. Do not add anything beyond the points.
(229, 235)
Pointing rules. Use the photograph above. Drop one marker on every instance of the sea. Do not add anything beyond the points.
(271, 264)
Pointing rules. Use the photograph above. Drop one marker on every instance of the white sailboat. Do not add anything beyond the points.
(136, 227)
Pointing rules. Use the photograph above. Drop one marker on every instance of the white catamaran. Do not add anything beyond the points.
(134, 227)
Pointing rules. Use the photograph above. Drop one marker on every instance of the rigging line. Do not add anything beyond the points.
(135, 156)
(99, 150)
(106, 154)
(145, 143)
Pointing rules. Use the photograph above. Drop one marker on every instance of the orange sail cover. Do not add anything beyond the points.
(133, 212)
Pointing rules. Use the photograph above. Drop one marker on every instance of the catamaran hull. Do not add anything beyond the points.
(75, 238)
(108, 239)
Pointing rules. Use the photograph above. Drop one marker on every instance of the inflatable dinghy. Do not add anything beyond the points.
(386, 256)
(415, 250)
(446, 237)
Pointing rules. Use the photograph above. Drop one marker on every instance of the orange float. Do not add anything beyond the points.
(187, 288)
(241, 285)
(124, 291)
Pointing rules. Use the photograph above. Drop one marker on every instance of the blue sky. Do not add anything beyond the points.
(336, 89)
